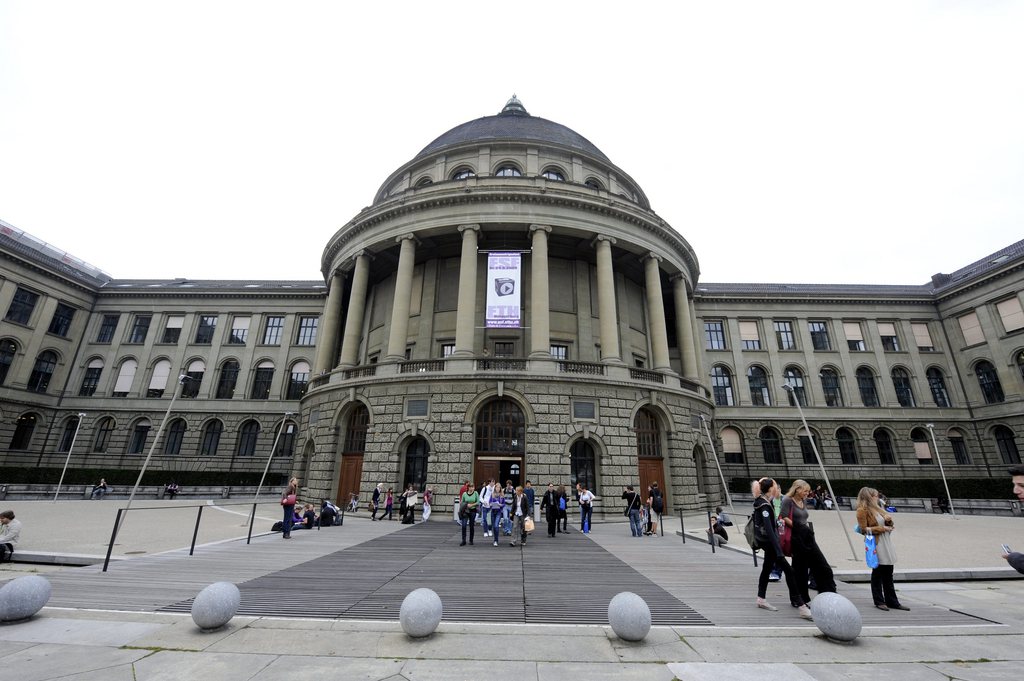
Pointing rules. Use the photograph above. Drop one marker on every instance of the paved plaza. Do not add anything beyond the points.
(326, 602)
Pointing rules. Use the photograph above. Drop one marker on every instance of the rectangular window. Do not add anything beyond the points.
(922, 337)
(140, 328)
(307, 331)
(1011, 314)
(90, 381)
(298, 381)
(172, 329)
(971, 329)
(923, 452)
(959, 451)
(784, 335)
(61, 322)
(204, 332)
(261, 384)
(107, 328)
(447, 349)
(854, 336)
(890, 341)
(819, 335)
(21, 307)
(714, 335)
(732, 446)
(807, 450)
(505, 350)
(239, 331)
(639, 361)
(750, 338)
(272, 330)
(560, 352)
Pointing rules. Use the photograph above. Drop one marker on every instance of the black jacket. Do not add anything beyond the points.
(549, 505)
(765, 524)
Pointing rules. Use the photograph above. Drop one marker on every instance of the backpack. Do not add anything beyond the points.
(749, 534)
(657, 505)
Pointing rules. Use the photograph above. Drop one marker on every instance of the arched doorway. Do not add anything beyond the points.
(416, 464)
(353, 446)
(650, 463)
(499, 443)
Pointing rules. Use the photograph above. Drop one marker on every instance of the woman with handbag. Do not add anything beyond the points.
(797, 540)
(288, 504)
(520, 512)
(767, 536)
(874, 521)
(468, 504)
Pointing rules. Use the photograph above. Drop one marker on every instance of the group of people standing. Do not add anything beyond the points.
(384, 502)
(495, 504)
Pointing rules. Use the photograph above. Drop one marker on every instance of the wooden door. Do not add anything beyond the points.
(652, 470)
(350, 478)
(485, 470)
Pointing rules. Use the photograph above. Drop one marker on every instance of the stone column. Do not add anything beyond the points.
(606, 301)
(465, 321)
(403, 290)
(540, 313)
(656, 311)
(356, 309)
(684, 328)
(329, 327)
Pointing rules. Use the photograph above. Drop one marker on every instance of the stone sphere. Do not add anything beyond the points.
(23, 597)
(216, 605)
(420, 613)
(836, 616)
(629, 616)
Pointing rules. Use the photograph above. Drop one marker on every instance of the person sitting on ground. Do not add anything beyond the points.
(717, 533)
(723, 517)
(99, 489)
(171, 489)
(328, 513)
(305, 521)
(1014, 558)
(10, 533)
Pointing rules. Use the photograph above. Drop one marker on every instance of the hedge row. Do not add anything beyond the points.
(90, 476)
(960, 488)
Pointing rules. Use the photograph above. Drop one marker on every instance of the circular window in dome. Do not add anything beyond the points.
(507, 171)
(553, 174)
(463, 174)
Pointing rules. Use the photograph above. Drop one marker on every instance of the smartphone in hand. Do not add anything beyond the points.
(1006, 549)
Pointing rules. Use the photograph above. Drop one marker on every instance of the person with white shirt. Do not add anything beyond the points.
(586, 508)
(520, 512)
(10, 533)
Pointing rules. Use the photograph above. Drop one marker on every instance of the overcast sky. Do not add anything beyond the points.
(819, 142)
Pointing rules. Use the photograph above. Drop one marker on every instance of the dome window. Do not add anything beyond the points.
(424, 181)
(553, 175)
(463, 174)
(593, 184)
(507, 171)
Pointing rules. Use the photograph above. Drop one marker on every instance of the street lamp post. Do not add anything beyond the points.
(711, 444)
(81, 416)
(942, 471)
(792, 391)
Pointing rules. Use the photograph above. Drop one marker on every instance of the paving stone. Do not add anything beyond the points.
(77, 632)
(728, 671)
(351, 669)
(52, 661)
(170, 665)
(872, 672)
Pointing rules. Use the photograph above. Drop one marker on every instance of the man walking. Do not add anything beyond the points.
(633, 510)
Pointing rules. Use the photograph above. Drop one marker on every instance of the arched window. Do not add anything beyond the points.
(922, 448)
(988, 379)
(1007, 444)
(721, 385)
(286, 440)
(732, 445)
(158, 383)
(593, 184)
(553, 174)
(500, 428)
(125, 378)
(298, 380)
(211, 438)
(760, 395)
(508, 171)
(830, 386)
(140, 433)
(103, 430)
(175, 434)
(228, 379)
(416, 465)
(958, 443)
(937, 384)
(847, 445)
(23, 430)
(771, 445)
(261, 380)
(7, 351)
(1020, 364)
(194, 378)
(883, 445)
(247, 436)
(91, 378)
(901, 383)
(648, 437)
(39, 381)
(808, 445)
(424, 181)
(866, 385)
(700, 469)
(795, 378)
(583, 465)
(463, 174)
(67, 437)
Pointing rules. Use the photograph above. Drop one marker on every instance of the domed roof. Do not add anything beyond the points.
(513, 123)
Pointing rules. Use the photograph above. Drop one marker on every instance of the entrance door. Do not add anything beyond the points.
(350, 478)
(652, 470)
(486, 469)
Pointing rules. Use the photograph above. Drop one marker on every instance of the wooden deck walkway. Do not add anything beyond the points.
(363, 571)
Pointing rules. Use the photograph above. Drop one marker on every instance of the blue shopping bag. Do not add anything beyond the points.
(871, 551)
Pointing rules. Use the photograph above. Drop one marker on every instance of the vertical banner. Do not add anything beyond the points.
(503, 277)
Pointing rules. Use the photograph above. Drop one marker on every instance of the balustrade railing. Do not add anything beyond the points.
(501, 364)
(419, 366)
(589, 368)
(645, 375)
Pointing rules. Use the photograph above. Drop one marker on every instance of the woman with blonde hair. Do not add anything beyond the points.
(768, 541)
(807, 556)
(288, 504)
(874, 520)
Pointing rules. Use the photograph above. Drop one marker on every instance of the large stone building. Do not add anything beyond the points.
(510, 307)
